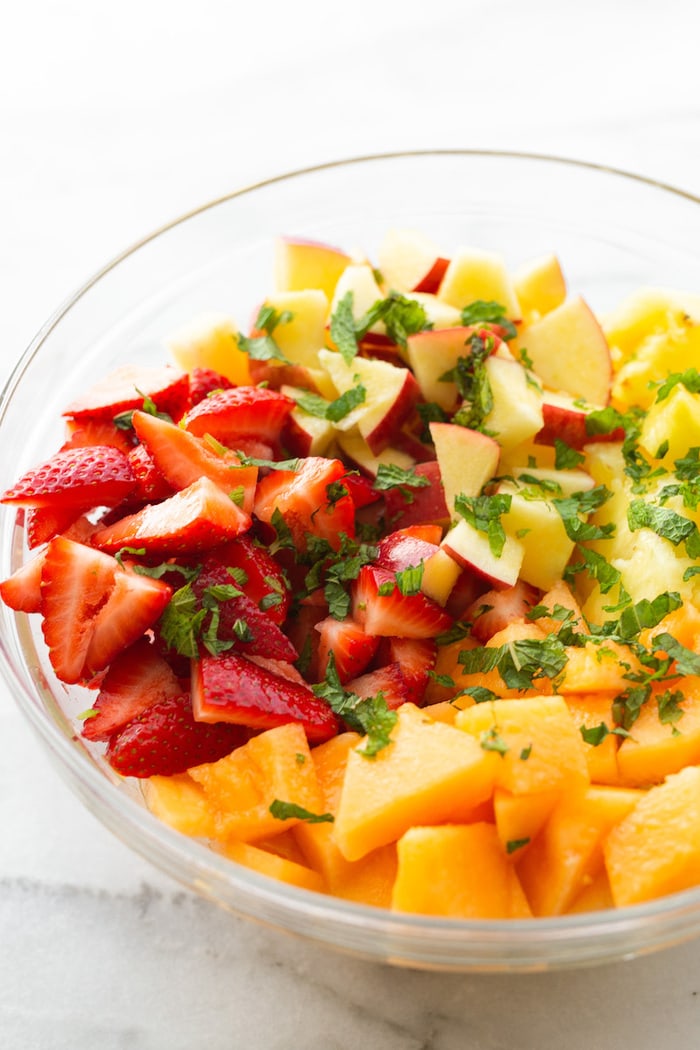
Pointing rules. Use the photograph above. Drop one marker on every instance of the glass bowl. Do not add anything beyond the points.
(612, 232)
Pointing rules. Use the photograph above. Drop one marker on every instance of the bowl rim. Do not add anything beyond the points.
(525, 939)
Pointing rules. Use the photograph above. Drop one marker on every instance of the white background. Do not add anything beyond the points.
(113, 120)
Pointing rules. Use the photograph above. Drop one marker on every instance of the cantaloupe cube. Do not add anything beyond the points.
(589, 711)
(429, 774)
(272, 864)
(595, 895)
(369, 880)
(655, 849)
(210, 341)
(181, 803)
(275, 765)
(446, 710)
(568, 853)
(538, 746)
(597, 667)
(456, 871)
(520, 817)
(560, 597)
(659, 747)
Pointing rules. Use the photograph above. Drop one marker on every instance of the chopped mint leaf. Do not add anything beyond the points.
(342, 328)
(291, 811)
(312, 404)
(491, 740)
(666, 523)
(389, 476)
(472, 381)
(484, 514)
(520, 662)
(488, 312)
(479, 694)
(343, 405)
(566, 458)
(668, 706)
(687, 661)
(370, 715)
(645, 614)
(264, 347)
(401, 317)
(409, 580)
(513, 845)
(690, 379)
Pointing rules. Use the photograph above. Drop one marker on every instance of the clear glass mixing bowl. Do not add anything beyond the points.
(613, 232)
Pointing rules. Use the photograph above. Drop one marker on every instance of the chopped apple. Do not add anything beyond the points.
(302, 264)
(303, 334)
(359, 279)
(438, 313)
(390, 395)
(516, 415)
(410, 261)
(440, 574)
(538, 527)
(433, 353)
(474, 274)
(467, 460)
(569, 352)
(540, 287)
(471, 549)
(356, 449)
(418, 506)
(210, 341)
(564, 417)
(305, 433)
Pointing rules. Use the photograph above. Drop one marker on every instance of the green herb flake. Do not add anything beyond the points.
(484, 514)
(291, 811)
(513, 845)
(491, 740)
(342, 328)
(566, 458)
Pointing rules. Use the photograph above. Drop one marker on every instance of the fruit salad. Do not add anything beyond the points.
(393, 594)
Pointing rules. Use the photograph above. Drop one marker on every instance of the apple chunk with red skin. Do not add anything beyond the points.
(302, 264)
(406, 505)
(391, 393)
(410, 262)
(569, 352)
(433, 353)
(467, 460)
(564, 418)
(471, 549)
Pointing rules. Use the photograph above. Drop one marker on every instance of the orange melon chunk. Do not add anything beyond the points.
(596, 667)
(181, 804)
(520, 817)
(595, 895)
(658, 748)
(456, 871)
(655, 849)
(276, 765)
(538, 746)
(568, 853)
(588, 711)
(429, 774)
(273, 864)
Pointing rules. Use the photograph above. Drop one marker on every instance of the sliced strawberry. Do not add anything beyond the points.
(182, 458)
(351, 647)
(132, 607)
(243, 411)
(199, 517)
(22, 590)
(76, 582)
(151, 486)
(166, 740)
(230, 688)
(312, 500)
(406, 548)
(41, 524)
(97, 432)
(137, 678)
(240, 619)
(416, 658)
(361, 490)
(383, 610)
(494, 610)
(388, 680)
(205, 381)
(300, 629)
(279, 667)
(126, 389)
(94, 476)
(265, 582)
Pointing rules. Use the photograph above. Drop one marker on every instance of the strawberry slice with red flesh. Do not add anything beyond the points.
(416, 658)
(265, 582)
(379, 605)
(133, 606)
(243, 411)
(388, 680)
(230, 688)
(182, 458)
(196, 519)
(137, 678)
(97, 432)
(206, 381)
(22, 590)
(241, 621)
(80, 478)
(41, 524)
(312, 500)
(166, 740)
(495, 609)
(127, 387)
(351, 647)
(361, 490)
(406, 548)
(151, 486)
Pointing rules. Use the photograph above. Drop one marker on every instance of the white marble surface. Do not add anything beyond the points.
(115, 119)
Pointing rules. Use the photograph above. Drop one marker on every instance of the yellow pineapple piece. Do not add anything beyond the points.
(210, 341)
